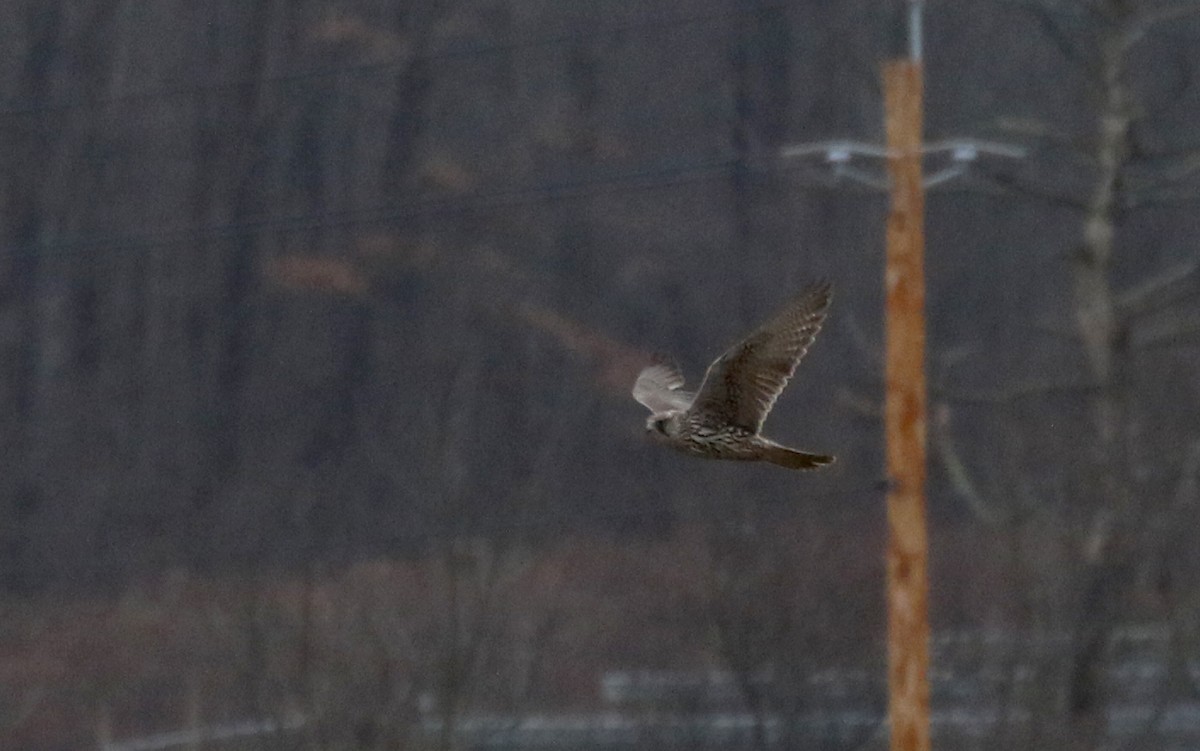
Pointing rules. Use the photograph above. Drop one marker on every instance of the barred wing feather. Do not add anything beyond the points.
(741, 386)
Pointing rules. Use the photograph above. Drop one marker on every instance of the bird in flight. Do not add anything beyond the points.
(723, 420)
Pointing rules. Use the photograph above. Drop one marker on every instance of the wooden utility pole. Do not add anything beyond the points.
(904, 368)
(905, 413)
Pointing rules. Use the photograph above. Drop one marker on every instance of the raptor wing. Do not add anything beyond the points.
(741, 386)
(660, 388)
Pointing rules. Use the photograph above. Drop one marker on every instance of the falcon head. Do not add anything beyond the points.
(663, 425)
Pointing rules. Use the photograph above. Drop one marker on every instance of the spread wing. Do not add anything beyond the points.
(660, 388)
(742, 385)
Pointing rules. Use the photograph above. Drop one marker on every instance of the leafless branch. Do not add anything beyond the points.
(956, 470)
(1055, 19)
(972, 184)
(1010, 394)
(1165, 335)
(869, 351)
(953, 356)
(1183, 626)
(1027, 188)
(1187, 490)
(1158, 291)
(1184, 168)
(859, 404)
(1056, 329)
(1169, 196)
(1042, 132)
(1141, 25)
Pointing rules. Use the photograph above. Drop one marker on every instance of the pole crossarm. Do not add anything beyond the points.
(836, 151)
(970, 149)
(962, 151)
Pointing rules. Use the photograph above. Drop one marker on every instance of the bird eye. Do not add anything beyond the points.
(661, 426)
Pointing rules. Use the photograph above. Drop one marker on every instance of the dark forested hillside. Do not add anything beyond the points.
(292, 279)
(290, 287)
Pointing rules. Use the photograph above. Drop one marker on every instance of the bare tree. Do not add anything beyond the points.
(1085, 513)
(779, 621)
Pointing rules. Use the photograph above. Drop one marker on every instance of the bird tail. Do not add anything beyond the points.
(792, 459)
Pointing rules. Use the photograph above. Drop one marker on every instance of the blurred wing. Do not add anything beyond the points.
(742, 385)
(659, 388)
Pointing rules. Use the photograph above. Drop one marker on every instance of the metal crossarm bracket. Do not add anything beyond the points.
(841, 155)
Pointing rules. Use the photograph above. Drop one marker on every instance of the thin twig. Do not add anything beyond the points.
(1155, 293)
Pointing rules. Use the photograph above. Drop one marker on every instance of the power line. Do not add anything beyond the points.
(379, 67)
(656, 178)
(652, 178)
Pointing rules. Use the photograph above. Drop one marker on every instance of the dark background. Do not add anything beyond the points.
(318, 321)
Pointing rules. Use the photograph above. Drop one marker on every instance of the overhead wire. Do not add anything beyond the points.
(369, 68)
(659, 176)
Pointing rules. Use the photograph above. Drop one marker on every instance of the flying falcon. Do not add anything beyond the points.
(724, 418)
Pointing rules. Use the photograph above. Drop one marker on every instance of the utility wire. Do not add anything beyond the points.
(378, 67)
(653, 178)
(657, 178)
(663, 177)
